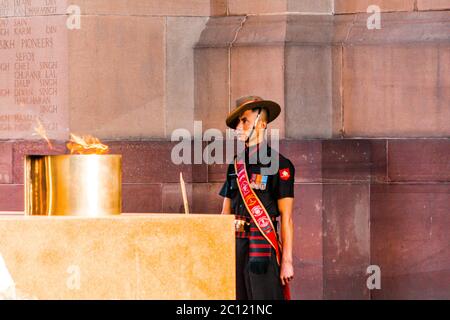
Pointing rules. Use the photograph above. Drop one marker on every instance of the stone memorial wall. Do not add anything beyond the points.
(33, 70)
(365, 116)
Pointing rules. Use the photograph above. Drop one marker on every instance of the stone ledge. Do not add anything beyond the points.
(289, 29)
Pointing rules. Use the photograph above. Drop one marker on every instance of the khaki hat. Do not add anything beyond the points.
(251, 102)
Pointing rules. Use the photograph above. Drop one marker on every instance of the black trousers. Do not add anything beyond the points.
(250, 286)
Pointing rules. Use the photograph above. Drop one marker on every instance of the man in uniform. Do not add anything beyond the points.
(263, 260)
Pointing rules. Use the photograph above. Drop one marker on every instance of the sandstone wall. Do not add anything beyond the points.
(365, 116)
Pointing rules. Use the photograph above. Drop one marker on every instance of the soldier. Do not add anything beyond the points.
(263, 263)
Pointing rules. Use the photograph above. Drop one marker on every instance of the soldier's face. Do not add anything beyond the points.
(245, 125)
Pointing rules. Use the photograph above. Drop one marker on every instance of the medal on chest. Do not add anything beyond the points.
(258, 182)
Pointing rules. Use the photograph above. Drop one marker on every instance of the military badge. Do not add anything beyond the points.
(285, 174)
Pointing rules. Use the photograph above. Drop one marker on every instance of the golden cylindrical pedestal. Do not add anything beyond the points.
(76, 185)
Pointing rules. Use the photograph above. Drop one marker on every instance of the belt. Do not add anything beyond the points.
(242, 224)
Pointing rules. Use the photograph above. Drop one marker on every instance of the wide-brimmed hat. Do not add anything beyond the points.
(251, 102)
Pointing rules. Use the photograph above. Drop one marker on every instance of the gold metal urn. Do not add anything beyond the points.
(73, 185)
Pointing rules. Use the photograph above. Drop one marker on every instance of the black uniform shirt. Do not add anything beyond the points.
(268, 188)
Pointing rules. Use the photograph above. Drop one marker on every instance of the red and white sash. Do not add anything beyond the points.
(258, 213)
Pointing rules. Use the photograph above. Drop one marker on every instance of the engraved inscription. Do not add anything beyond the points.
(33, 69)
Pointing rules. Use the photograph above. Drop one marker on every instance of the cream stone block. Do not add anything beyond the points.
(126, 257)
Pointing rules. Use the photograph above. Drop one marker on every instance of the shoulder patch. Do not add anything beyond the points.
(285, 174)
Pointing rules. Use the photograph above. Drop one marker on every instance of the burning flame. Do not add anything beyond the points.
(86, 145)
(77, 144)
(40, 130)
